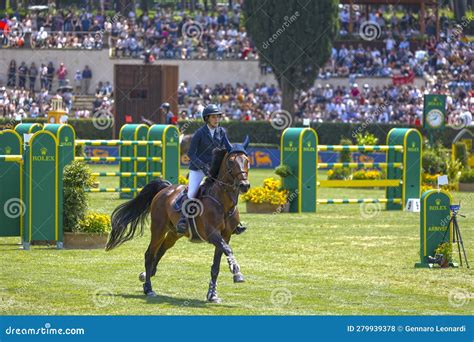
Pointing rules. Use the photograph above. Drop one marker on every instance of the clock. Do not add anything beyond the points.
(435, 118)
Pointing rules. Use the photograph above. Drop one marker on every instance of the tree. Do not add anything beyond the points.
(460, 9)
(294, 37)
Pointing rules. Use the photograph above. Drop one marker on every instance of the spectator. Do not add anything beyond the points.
(12, 74)
(43, 76)
(170, 118)
(50, 75)
(22, 71)
(62, 73)
(86, 79)
(33, 74)
(77, 81)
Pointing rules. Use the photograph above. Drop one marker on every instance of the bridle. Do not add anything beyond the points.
(234, 185)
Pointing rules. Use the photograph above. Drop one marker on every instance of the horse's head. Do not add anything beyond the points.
(237, 164)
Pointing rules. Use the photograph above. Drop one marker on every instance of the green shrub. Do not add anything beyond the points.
(366, 139)
(329, 133)
(467, 176)
(453, 170)
(345, 156)
(283, 171)
(79, 150)
(446, 249)
(433, 162)
(461, 154)
(77, 176)
(95, 223)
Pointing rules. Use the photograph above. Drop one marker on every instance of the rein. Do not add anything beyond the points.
(234, 188)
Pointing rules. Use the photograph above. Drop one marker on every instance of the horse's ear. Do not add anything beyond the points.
(227, 144)
(246, 142)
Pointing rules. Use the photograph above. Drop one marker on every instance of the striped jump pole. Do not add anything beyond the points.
(126, 174)
(120, 190)
(359, 200)
(360, 148)
(359, 165)
(299, 151)
(11, 158)
(117, 143)
(114, 159)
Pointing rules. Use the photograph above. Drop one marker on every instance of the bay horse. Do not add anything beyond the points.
(216, 218)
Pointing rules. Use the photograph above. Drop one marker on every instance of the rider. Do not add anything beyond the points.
(206, 138)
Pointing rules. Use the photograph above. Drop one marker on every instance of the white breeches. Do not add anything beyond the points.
(195, 178)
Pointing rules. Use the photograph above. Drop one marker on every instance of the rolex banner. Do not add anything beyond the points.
(434, 111)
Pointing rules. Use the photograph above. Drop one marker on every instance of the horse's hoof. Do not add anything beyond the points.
(239, 278)
(215, 300)
(151, 294)
(142, 277)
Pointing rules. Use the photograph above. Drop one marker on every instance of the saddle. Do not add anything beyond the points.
(178, 206)
(178, 202)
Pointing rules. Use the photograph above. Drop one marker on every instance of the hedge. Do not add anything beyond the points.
(260, 132)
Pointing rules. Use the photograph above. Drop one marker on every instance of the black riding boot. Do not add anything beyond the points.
(182, 225)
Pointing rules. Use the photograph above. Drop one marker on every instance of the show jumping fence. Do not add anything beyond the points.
(299, 151)
(32, 160)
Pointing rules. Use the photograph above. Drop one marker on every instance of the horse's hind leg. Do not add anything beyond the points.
(169, 242)
(158, 233)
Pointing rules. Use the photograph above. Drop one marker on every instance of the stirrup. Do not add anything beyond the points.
(182, 223)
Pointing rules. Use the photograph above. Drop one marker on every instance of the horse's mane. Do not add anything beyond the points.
(218, 155)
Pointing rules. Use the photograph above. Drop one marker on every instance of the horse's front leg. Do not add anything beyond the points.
(216, 264)
(217, 240)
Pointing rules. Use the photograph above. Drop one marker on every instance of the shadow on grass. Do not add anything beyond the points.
(175, 301)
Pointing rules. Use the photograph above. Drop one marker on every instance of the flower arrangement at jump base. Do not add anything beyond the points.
(267, 198)
(95, 223)
(183, 180)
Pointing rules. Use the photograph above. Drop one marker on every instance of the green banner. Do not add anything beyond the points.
(434, 223)
(434, 112)
(12, 204)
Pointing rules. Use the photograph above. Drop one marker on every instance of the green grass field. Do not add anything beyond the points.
(334, 262)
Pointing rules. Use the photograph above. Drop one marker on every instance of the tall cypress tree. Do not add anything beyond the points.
(294, 37)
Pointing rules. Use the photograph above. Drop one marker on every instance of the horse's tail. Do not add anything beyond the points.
(129, 215)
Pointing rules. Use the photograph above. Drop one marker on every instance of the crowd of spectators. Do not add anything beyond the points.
(176, 34)
(29, 89)
(447, 64)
